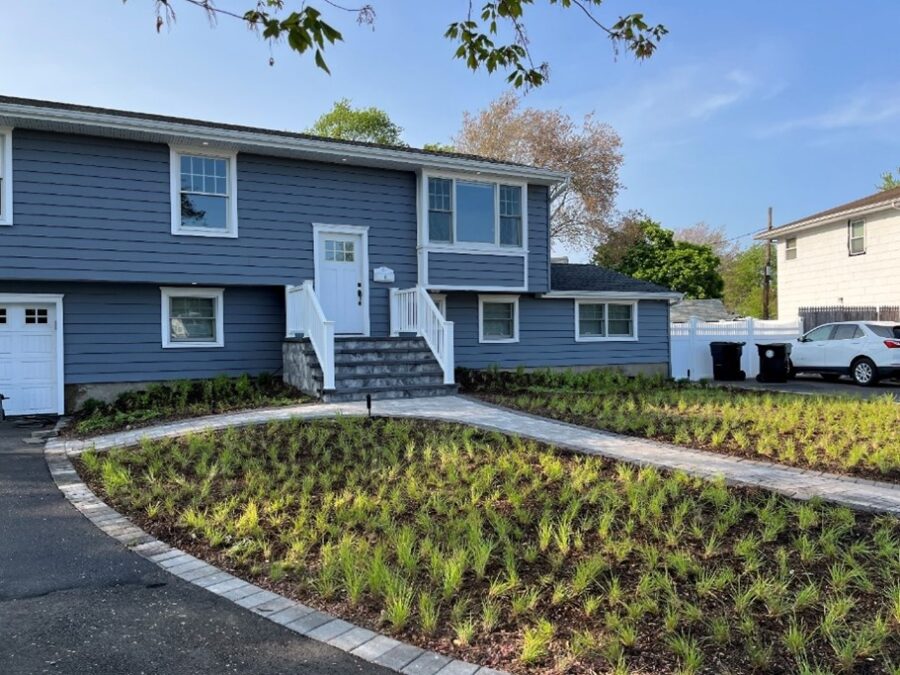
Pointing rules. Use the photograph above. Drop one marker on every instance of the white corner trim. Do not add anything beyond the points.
(362, 231)
(169, 292)
(6, 172)
(606, 338)
(55, 299)
(514, 299)
(175, 152)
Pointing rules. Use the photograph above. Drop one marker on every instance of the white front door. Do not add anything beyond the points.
(28, 372)
(341, 281)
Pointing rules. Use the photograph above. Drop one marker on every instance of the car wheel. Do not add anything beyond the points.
(830, 377)
(864, 372)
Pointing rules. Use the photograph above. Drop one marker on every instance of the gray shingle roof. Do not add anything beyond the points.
(572, 277)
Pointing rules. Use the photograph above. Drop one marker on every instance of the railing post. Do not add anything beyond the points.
(394, 305)
(449, 361)
(328, 366)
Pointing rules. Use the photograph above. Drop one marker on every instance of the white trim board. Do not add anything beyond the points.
(6, 171)
(363, 232)
(55, 299)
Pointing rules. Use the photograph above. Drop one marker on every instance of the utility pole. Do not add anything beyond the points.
(767, 275)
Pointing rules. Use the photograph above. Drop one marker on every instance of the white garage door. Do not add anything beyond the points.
(28, 376)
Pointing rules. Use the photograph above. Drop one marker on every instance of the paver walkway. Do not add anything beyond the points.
(798, 483)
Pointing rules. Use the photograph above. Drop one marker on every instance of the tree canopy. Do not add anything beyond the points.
(889, 181)
(358, 124)
(494, 38)
(743, 276)
(589, 151)
(643, 249)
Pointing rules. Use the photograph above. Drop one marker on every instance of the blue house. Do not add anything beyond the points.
(138, 248)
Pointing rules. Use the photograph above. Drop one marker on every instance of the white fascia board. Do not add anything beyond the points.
(779, 232)
(612, 295)
(258, 140)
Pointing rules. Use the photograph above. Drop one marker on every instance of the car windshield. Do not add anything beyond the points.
(885, 331)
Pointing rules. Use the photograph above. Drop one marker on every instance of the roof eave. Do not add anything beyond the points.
(671, 296)
(775, 233)
(323, 149)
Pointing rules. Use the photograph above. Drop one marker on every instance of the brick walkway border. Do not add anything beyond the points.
(857, 493)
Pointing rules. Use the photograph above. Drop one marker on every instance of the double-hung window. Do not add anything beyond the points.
(790, 248)
(498, 318)
(6, 192)
(192, 317)
(856, 237)
(475, 213)
(596, 321)
(204, 194)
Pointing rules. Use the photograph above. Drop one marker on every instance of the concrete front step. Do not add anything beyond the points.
(376, 381)
(355, 344)
(384, 393)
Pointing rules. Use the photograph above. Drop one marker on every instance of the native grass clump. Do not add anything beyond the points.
(838, 434)
(507, 553)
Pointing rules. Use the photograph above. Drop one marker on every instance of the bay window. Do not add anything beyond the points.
(482, 214)
(595, 321)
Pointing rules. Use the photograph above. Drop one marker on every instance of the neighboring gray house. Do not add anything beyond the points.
(138, 248)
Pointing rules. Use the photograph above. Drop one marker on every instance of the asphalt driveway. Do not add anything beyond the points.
(815, 385)
(73, 600)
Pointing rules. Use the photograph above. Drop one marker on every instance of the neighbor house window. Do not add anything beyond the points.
(498, 318)
(790, 248)
(6, 193)
(605, 320)
(192, 317)
(476, 213)
(857, 237)
(204, 201)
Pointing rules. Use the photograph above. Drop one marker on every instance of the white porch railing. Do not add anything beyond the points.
(413, 311)
(304, 315)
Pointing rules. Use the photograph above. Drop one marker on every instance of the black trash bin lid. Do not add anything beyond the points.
(727, 344)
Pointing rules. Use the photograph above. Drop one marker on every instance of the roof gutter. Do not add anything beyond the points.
(671, 296)
(321, 148)
(825, 220)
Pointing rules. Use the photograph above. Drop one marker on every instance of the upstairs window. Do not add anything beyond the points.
(6, 177)
(475, 213)
(790, 248)
(204, 194)
(857, 237)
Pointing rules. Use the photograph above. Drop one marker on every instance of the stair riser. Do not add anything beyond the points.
(343, 346)
(387, 381)
(422, 356)
(384, 395)
(387, 369)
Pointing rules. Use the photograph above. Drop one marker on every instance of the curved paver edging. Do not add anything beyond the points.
(858, 493)
(306, 621)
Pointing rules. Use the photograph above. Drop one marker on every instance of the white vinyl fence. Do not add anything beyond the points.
(691, 357)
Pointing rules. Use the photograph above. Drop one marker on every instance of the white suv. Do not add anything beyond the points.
(865, 350)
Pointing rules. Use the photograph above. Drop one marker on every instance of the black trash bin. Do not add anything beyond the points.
(774, 362)
(726, 357)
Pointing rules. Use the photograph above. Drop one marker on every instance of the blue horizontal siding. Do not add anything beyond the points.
(538, 239)
(96, 209)
(547, 337)
(112, 333)
(473, 270)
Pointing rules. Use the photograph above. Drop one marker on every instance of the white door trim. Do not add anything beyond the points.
(48, 299)
(363, 232)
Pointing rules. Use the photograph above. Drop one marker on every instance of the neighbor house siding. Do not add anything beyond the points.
(465, 269)
(547, 337)
(112, 333)
(97, 209)
(824, 273)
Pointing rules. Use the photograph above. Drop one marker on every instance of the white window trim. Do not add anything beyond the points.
(514, 299)
(607, 337)
(850, 236)
(788, 247)
(6, 171)
(169, 292)
(57, 301)
(175, 152)
(456, 246)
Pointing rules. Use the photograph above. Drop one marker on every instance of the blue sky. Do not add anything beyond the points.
(746, 104)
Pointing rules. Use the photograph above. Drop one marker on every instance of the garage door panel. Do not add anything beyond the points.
(28, 358)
